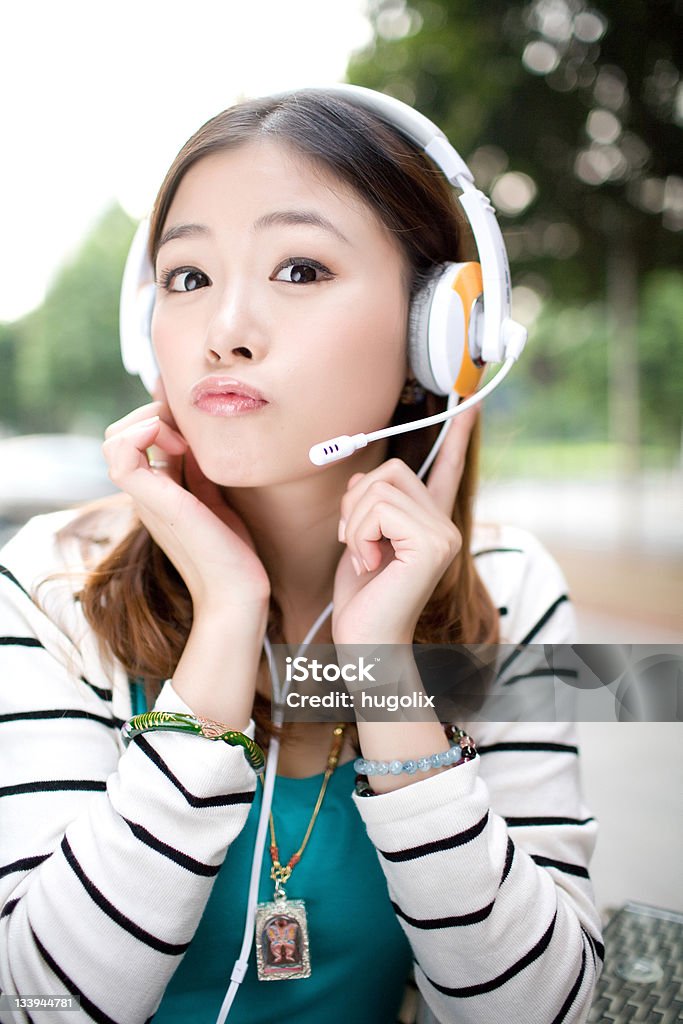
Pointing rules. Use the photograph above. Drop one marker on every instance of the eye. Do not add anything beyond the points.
(300, 270)
(183, 279)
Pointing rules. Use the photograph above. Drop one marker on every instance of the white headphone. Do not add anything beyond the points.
(458, 322)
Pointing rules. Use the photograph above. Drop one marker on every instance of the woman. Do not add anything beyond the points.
(288, 239)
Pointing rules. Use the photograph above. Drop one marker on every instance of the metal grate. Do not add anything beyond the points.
(642, 979)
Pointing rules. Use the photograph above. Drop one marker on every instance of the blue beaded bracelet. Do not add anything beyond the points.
(462, 749)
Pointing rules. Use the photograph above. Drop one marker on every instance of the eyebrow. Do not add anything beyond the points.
(182, 231)
(277, 217)
(293, 217)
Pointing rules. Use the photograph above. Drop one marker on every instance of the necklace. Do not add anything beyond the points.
(282, 944)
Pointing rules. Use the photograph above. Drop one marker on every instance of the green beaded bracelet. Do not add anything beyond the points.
(211, 730)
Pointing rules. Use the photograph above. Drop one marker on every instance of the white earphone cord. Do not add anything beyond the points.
(240, 966)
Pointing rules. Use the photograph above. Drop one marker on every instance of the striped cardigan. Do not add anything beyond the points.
(486, 864)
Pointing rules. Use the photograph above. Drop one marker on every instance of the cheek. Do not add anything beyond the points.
(356, 374)
(171, 355)
(375, 344)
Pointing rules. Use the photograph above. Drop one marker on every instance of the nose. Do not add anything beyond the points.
(237, 329)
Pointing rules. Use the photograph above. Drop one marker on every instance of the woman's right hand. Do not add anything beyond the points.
(203, 537)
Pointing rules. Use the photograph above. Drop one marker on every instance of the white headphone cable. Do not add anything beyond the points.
(242, 963)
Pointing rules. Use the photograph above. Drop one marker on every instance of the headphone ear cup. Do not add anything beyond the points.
(443, 328)
(138, 293)
(418, 335)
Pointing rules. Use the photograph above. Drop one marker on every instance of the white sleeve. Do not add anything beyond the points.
(487, 862)
(107, 856)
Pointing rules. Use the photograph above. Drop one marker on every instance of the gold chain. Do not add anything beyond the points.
(280, 874)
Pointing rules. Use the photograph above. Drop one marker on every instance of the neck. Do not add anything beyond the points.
(294, 527)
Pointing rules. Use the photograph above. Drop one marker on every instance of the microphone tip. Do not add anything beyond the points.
(336, 448)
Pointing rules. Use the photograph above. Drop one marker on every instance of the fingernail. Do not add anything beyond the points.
(341, 532)
(356, 565)
(367, 567)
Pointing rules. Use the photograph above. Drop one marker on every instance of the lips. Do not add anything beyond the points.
(225, 396)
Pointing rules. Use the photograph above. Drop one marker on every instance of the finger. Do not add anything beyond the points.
(427, 549)
(126, 451)
(167, 438)
(394, 472)
(144, 412)
(445, 475)
(384, 496)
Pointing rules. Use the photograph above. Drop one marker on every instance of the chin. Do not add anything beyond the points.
(244, 471)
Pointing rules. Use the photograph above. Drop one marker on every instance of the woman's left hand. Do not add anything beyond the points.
(400, 534)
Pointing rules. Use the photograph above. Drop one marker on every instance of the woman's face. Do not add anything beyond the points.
(287, 285)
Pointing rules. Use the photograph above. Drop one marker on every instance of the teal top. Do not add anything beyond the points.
(360, 957)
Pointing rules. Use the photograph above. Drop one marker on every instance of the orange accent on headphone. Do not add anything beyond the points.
(469, 286)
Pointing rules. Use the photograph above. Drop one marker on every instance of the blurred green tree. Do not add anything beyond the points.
(569, 116)
(661, 325)
(65, 371)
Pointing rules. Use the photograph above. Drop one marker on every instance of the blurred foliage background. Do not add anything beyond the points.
(570, 116)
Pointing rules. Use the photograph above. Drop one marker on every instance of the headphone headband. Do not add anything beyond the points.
(501, 335)
(487, 334)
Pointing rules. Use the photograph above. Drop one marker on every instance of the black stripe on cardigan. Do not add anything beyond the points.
(464, 919)
(170, 948)
(501, 979)
(532, 632)
(45, 713)
(102, 693)
(518, 822)
(9, 907)
(597, 946)
(224, 800)
(19, 641)
(498, 551)
(539, 673)
(561, 865)
(183, 859)
(459, 921)
(509, 857)
(54, 786)
(528, 746)
(573, 992)
(86, 1004)
(32, 641)
(25, 864)
(448, 843)
(4, 571)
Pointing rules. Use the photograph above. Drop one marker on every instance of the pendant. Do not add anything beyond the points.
(282, 939)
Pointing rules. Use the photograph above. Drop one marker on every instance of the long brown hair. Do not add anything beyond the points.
(135, 600)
